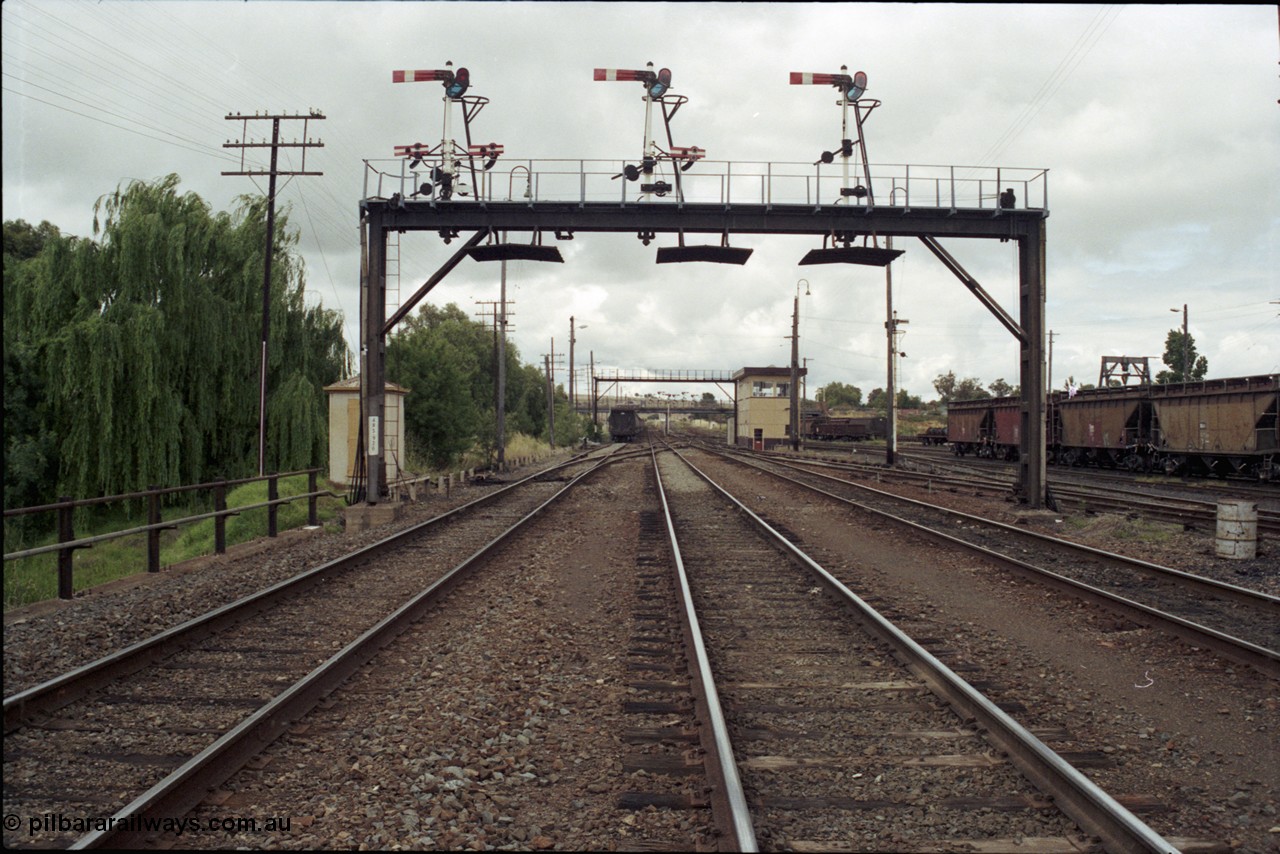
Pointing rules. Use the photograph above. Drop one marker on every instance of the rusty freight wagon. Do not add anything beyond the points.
(1107, 427)
(1218, 427)
(990, 428)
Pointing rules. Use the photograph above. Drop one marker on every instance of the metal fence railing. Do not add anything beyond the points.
(67, 542)
(725, 183)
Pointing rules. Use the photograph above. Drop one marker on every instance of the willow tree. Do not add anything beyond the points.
(147, 341)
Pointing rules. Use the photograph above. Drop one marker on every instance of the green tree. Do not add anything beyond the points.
(945, 385)
(442, 362)
(447, 361)
(837, 394)
(878, 399)
(142, 345)
(23, 240)
(950, 388)
(1180, 351)
(908, 401)
(1000, 388)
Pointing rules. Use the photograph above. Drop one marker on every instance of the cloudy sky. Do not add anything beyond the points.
(1159, 127)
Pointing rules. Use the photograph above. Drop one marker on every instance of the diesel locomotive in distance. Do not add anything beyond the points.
(1206, 428)
(624, 423)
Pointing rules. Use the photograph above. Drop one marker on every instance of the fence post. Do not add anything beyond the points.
(273, 492)
(65, 556)
(220, 522)
(313, 503)
(153, 535)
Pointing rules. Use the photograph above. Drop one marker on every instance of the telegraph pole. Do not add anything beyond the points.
(499, 310)
(795, 365)
(275, 145)
(502, 370)
(1186, 348)
(891, 327)
(1049, 384)
(550, 362)
(551, 403)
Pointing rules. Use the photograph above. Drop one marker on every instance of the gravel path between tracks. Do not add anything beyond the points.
(495, 723)
(1181, 725)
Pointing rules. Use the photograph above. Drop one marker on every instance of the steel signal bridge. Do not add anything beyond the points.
(516, 209)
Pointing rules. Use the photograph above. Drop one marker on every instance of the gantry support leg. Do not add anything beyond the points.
(373, 352)
(1031, 271)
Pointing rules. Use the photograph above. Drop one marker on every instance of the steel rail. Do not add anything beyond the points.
(1211, 586)
(1265, 660)
(67, 687)
(1076, 795)
(1073, 482)
(1106, 495)
(726, 783)
(184, 788)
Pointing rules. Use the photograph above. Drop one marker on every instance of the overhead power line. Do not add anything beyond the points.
(1084, 43)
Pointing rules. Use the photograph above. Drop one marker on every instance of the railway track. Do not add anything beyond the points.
(1237, 622)
(147, 731)
(1192, 505)
(1191, 502)
(828, 729)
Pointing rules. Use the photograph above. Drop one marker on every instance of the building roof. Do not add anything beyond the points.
(770, 371)
(352, 383)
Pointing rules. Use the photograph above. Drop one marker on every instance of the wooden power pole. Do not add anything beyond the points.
(273, 172)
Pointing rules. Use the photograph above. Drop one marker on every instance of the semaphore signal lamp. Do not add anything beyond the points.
(660, 83)
(458, 85)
